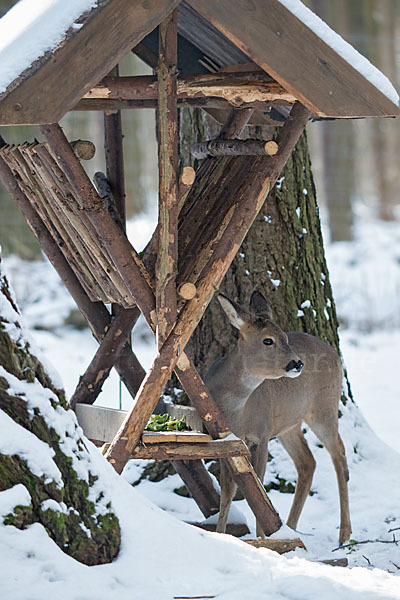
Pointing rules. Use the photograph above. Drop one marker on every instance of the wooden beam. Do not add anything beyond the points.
(114, 155)
(274, 38)
(208, 103)
(110, 347)
(234, 148)
(243, 211)
(167, 254)
(279, 546)
(199, 484)
(56, 82)
(181, 451)
(236, 89)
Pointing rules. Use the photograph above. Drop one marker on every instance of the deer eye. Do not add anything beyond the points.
(268, 341)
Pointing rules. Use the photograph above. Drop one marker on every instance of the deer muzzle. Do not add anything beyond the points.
(294, 368)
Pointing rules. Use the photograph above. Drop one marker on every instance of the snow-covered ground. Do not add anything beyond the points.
(161, 557)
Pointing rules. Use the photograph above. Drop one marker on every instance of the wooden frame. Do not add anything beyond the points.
(171, 284)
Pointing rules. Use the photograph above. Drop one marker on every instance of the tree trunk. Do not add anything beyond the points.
(282, 256)
(43, 454)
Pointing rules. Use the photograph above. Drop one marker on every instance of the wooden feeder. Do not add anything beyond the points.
(243, 62)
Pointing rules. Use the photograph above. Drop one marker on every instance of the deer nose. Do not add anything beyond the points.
(295, 366)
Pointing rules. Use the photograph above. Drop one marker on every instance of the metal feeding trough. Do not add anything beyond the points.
(100, 424)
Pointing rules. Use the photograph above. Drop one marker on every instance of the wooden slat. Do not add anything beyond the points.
(236, 88)
(279, 546)
(191, 451)
(56, 82)
(296, 57)
(163, 437)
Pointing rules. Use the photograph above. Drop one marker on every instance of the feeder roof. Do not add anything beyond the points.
(59, 50)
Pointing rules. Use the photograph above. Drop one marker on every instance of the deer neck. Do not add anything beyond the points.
(238, 384)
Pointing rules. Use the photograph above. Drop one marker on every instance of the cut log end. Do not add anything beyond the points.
(187, 291)
(83, 149)
(271, 148)
(188, 176)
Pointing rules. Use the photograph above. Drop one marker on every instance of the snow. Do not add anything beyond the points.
(343, 48)
(161, 556)
(38, 455)
(18, 495)
(31, 28)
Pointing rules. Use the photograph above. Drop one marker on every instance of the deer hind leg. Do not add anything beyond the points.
(296, 446)
(228, 489)
(330, 438)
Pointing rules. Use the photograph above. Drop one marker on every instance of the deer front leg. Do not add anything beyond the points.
(296, 446)
(228, 489)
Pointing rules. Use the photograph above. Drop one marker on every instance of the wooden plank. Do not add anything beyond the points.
(114, 155)
(296, 57)
(164, 437)
(191, 451)
(237, 89)
(201, 150)
(235, 529)
(167, 114)
(279, 546)
(57, 81)
(214, 105)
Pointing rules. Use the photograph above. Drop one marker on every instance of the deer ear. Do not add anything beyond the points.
(236, 315)
(259, 305)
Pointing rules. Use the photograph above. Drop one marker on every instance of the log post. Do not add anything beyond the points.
(84, 149)
(166, 265)
(234, 148)
(113, 147)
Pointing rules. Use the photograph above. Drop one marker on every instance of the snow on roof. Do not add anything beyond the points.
(33, 27)
(343, 48)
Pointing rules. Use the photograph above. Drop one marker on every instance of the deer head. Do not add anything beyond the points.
(263, 346)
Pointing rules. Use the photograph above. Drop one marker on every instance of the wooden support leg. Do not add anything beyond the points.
(166, 266)
(114, 158)
(199, 484)
(90, 384)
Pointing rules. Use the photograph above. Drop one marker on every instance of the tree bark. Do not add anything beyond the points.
(282, 256)
(84, 528)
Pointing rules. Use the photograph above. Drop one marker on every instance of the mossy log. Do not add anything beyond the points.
(72, 505)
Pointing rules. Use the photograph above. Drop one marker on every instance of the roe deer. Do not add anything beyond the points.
(270, 383)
